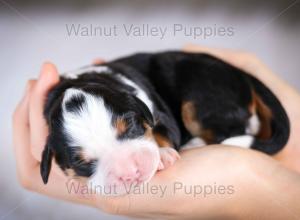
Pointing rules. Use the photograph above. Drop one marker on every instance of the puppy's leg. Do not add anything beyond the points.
(194, 143)
(167, 136)
(168, 155)
(202, 137)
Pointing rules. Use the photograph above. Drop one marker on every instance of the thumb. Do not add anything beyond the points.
(48, 78)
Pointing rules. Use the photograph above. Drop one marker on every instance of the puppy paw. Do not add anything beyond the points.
(168, 156)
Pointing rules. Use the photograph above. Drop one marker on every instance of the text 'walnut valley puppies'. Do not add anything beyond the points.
(118, 123)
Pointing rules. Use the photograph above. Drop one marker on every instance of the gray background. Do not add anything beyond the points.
(32, 33)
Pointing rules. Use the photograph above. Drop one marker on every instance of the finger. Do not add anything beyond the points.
(69, 188)
(27, 167)
(98, 61)
(38, 126)
(21, 134)
(243, 60)
(137, 205)
(222, 53)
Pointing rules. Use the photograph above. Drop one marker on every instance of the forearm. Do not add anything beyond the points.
(271, 192)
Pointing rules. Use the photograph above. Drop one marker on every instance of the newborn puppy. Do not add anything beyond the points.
(119, 122)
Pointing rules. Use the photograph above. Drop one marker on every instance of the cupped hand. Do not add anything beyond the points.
(213, 166)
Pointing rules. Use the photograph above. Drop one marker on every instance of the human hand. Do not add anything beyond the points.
(30, 132)
(210, 166)
(213, 164)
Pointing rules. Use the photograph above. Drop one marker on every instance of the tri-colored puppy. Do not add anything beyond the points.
(120, 122)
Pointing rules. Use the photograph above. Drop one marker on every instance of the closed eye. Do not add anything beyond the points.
(84, 168)
(129, 126)
(81, 165)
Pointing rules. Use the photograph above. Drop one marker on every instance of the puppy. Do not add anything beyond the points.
(118, 123)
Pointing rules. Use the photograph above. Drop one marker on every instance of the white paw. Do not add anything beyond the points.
(168, 156)
(244, 141)
(194, 143)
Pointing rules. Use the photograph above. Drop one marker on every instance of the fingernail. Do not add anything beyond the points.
(47, 74)
(98, 61)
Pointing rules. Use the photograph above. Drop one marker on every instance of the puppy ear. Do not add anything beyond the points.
(45, 166)
(145, 112)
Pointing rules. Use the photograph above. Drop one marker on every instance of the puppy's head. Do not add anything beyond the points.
(103, 134)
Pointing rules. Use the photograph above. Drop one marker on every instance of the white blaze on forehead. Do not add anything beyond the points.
(88, 69)
(90, 127)
(140, 93)
(106, 70)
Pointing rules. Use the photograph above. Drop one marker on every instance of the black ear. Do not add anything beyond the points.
(45, 166)
(145, 112)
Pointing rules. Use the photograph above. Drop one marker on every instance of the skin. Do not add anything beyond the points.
(264, 187)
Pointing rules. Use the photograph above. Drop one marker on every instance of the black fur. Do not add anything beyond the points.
(220, 91)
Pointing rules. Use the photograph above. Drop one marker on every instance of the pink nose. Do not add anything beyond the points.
(129, 167)
(130, 177)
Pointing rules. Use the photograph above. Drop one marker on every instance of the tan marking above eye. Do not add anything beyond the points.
(120, 125)
(192, 124)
